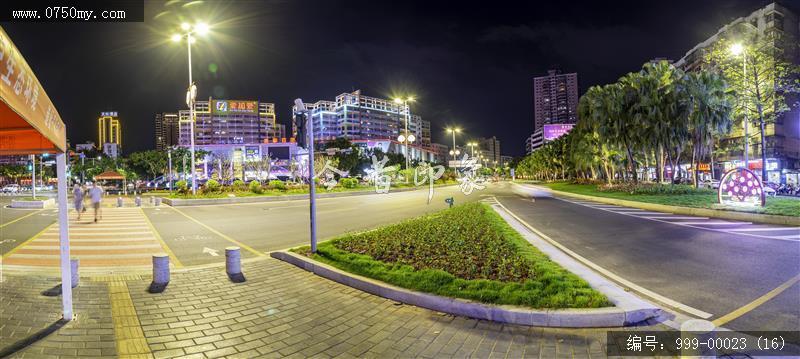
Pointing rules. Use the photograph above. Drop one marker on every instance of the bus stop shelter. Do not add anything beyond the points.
(30, 124)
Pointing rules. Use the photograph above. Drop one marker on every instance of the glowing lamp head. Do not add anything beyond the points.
(737, 49)
(458, 152)
(401, 138)
(185, 26)
(398, 101)
(411, 138)
(175, 38)
(201, 28)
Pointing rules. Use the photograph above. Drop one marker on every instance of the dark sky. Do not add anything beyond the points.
(469, 64)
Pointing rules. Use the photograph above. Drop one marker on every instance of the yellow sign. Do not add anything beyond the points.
(30, 122)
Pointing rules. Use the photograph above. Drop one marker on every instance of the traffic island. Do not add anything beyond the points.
(30, 203)
(468, 261)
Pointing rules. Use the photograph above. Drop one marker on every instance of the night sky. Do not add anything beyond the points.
(468, 63)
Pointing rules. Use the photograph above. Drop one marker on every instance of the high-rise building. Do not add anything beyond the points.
(780, 27)
(109, 130)
(490, 149)
(219, 122)
(555, 99)
(369, 120)
(167, 134)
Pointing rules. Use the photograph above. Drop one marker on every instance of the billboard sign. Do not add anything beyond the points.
(552, 132)
(225, 107)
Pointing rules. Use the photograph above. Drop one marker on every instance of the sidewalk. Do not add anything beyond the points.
(279, 311)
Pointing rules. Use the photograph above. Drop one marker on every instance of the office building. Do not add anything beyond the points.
(546, 134)
(167, 134)
(111, 149)
(779, 27)
(490, 149)
(555, 99)
(109, 130)
(220, 122)
(371, 122)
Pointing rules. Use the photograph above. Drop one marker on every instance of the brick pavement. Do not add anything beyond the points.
(281, 311)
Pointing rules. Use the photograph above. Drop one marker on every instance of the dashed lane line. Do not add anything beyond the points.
(728, 231)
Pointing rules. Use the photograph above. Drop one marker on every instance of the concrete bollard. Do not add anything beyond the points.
(157, 201)
(161, 268)
(702, 330)
(151, 199)
(233, 264)
(233, 260)
(73, 264)
(138, 201)
(119, 201)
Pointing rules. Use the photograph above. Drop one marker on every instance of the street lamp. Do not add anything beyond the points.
(406, 137)
(191, 93)
(472, 145)
(736, 50)
(454, 152)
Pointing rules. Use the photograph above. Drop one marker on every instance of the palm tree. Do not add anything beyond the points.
(710, 107)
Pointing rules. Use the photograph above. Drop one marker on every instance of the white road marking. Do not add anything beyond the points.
(764, 229)
(678, 223)
(658, 297)
(675, 217)
(130, 246)
(714, 223)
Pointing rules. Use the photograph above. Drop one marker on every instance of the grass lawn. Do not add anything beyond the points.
(467, 252)
(698, 199)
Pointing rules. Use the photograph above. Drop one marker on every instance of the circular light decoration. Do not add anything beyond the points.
(740, 187)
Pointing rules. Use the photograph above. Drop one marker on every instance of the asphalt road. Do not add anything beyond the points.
(707, 269)
(696, 262)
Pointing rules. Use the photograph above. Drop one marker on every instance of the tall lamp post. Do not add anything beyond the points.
(737, 49)
(472, 146)
(454, 152)
(405, 138)
(188, 32)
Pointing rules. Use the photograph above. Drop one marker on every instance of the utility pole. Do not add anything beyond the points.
(306, 127)
(33, 175)
(169, 179)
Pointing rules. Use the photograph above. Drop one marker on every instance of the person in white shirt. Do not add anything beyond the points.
(96, 195)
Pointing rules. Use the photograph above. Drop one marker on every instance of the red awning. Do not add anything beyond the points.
(29, 123)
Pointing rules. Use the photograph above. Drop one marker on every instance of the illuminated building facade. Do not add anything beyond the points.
(221, 122)
(109, 130)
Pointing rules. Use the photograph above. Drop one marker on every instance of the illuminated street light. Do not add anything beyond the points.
(737, 49)
(454, 152)
(405, 138)
(201, 29)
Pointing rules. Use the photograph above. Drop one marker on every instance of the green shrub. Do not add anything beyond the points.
(182, 187)
(255, 187)
(277, 184)
(349, 182)
(238, 185)
(212, 186)
(653, 188)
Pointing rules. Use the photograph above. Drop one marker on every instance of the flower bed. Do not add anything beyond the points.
(464, 252)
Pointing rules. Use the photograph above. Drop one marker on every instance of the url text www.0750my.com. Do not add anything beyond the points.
(67, 14)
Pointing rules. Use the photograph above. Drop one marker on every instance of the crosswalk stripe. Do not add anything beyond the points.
(94, 247)
(96, 241)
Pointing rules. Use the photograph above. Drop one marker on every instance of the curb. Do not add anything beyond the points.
(33, 204)
(180, 202)
(699, 212)
(565, 318)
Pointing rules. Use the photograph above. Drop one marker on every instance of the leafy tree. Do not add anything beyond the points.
(763, 77)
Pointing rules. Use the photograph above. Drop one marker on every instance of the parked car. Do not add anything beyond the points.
(769, 191)
(11, 188)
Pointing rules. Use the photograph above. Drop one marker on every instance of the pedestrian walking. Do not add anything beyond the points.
(77, 199)
(96, 195)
